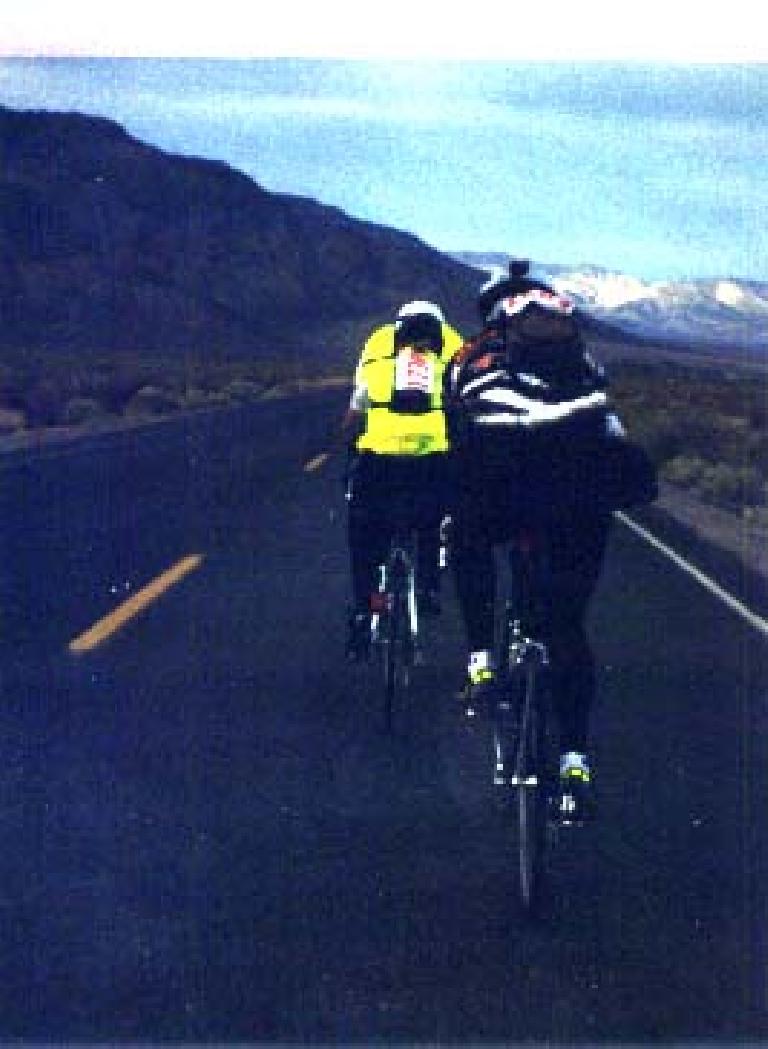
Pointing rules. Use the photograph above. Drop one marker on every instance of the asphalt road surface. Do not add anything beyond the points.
(207, 836)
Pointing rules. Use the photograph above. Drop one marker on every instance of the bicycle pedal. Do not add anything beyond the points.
(564, 821)
(558, 816)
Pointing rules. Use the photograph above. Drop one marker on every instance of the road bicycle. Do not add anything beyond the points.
(524, 752)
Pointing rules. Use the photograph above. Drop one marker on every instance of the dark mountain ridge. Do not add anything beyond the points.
(110, 244)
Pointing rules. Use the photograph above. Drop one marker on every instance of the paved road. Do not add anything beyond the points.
(207, 837)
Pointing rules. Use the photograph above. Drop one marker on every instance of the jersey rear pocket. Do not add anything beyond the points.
(414, 381)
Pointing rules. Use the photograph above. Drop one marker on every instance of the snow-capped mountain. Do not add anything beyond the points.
(715, 311)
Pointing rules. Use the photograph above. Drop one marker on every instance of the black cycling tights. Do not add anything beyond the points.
(385, 490)
(574, 550)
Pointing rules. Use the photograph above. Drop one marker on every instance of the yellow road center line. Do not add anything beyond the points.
(135, 604)
(316, 463)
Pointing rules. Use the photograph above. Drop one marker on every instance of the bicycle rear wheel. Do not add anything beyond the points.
(390, 669)
(529, 787)
(396, 661)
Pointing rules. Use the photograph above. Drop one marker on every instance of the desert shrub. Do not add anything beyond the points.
(124, 381)
(756, 516)
(11, 421)
(712, 436)
(684, 470)
(728, 486)
(81, 410)
(44, 403)
(195, 397)
(242, 390)
(659, 434)
(152, 400)
(756, 449)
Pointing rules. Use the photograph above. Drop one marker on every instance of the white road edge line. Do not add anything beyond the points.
(754, 620)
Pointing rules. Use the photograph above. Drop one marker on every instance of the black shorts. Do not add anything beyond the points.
(391, 489)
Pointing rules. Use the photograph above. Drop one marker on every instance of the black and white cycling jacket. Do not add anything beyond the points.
(529, 416)
(497, 385)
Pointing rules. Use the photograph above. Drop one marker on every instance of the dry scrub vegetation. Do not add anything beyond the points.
(40, 392)
(707, 431)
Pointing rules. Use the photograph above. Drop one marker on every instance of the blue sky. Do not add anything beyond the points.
(652, 168)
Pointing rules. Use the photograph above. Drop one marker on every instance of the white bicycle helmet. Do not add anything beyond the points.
(420, 308)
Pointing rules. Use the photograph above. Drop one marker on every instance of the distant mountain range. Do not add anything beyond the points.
(108, 244)
(724, 313)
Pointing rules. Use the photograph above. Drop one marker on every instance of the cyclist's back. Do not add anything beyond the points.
(532, 428)
(529, 413)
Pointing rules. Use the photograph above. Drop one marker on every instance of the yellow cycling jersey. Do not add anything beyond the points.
(389, 431)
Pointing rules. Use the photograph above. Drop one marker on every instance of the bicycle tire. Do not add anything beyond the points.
(395, 653)
(390, 668)
(529, 787)
(396, 631)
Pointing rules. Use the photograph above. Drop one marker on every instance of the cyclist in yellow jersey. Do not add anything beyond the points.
(401, 452)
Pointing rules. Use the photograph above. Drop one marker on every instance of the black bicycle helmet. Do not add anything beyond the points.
(502, 284)
(419, 323)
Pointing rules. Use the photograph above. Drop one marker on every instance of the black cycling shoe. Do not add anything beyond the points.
(575, 800)
(358, 648)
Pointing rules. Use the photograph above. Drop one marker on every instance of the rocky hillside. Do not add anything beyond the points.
(109, 245)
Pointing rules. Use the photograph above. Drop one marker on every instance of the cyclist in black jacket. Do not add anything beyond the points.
(536, 445)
